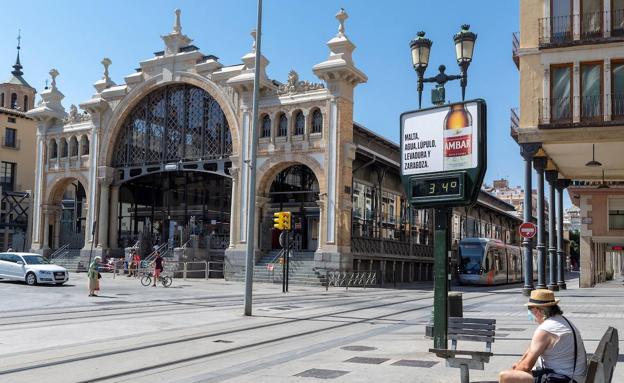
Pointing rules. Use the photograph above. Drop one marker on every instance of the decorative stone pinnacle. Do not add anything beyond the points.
(253, 36)
(341, 16)
(106, 62)
(53, 74)
(17, 68)
(177, 27)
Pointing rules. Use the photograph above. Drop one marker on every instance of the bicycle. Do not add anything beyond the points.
(166, 280)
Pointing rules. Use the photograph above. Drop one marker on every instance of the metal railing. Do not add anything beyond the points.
(152, 255)
(350, 279)
(591, 25)
(617, 106)
(591, 108)
(515, 46)
(556, 30)
(587, 27)
(617, 22)
(555, 110)
(175, 269)
(379, 246)
(59, 252)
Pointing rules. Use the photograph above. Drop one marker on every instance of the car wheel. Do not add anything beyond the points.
(31, 279)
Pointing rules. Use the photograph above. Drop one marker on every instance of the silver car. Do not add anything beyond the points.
(31, 268)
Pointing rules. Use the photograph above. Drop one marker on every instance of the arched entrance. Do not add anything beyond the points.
(296, 189)
(171, 162)
(68, 203)
(172, 206)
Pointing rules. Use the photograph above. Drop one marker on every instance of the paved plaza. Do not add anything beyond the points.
(195, 332)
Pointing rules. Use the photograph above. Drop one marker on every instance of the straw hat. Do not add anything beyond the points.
(542, 298)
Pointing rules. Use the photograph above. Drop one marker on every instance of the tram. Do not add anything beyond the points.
(485, 261)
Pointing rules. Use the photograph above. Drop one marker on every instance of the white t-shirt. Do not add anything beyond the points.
(560, 357)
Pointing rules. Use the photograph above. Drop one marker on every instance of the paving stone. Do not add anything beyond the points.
(320, 373)
(415, 363)
(365, 360)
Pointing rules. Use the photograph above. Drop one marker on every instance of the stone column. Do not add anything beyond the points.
(103, 214)
(551, 177)
(261, 202)
(561, 256)
(46, 231)
(539, 163)
(234, 172)
(57, 228)
(114, 216)
(527, 151)
(322, 203)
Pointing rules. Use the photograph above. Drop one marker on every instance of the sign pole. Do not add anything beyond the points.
(287, 258)
(440, 266)
(251, 201)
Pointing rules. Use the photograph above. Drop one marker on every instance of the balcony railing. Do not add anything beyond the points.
(515, 123)
(617, 106)
(584, 111)
(556, 30)
(591, 108)
(515, 45)
(586, 28)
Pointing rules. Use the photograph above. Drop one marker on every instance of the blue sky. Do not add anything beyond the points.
(73, 37)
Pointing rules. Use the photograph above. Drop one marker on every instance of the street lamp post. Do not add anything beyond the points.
(421, 49)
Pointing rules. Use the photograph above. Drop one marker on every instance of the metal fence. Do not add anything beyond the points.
(175, 269)
(350, 279)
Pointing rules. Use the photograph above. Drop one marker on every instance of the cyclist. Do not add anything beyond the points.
(158, 267)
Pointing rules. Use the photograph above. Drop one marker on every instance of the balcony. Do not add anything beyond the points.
(580, 111)
(586, 28)
(515, 123)
(515, 45)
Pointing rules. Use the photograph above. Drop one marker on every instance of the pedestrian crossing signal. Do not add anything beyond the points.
(281, 220)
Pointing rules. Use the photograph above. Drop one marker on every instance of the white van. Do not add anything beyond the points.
(31, 268)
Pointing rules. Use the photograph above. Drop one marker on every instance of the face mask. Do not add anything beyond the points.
(531, 316)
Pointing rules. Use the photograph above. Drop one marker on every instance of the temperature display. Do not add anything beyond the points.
(434, 187)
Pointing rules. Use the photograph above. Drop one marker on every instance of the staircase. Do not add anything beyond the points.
(69, 259)
(301, 270)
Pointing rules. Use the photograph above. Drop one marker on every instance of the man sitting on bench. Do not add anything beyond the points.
(557, 346)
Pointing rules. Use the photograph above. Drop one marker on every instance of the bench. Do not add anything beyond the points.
(601, 364)
(468, 329)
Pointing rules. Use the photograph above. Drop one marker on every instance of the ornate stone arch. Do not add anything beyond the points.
(275, 164)
(54, 192)
(141, 91)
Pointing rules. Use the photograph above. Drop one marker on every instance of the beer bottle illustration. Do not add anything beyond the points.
(457, 138)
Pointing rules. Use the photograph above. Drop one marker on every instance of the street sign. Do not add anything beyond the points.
(443, 154)
(527, 230)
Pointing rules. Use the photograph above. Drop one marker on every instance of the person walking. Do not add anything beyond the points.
(556, 346)
(158, 267)
(94, 276)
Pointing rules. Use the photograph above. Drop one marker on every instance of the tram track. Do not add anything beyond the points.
(150, 308)
(154, 346)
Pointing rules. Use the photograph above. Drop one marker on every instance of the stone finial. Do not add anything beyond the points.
(341, 16)
(254, 35)
(177, 27)
(106, 62)
(54, 73)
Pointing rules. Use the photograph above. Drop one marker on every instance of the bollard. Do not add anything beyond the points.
(207, 269)
(455, 304)
(184, 272)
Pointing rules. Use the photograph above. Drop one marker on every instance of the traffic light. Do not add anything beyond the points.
(281, 220)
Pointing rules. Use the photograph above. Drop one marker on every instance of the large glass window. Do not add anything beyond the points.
(616, 213)
(7, 175)
(591, 91)
(561, 20)
(617, 17)
(560, 93)
(591, 18)
(10, 138)
(617, 85)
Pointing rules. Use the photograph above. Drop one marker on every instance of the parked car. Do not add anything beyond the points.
(31, 268)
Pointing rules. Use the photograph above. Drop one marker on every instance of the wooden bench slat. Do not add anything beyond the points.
(451, 353)
(470, 320)
(466, 331)
(474, 338)
(472, 325)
